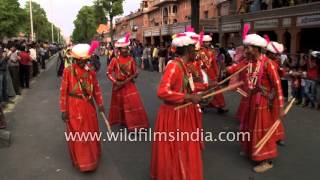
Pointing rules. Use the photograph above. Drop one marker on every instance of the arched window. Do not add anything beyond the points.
(165, 15)
(165, 12)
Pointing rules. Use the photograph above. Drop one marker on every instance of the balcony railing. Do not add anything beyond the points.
(165, 30)
(276, 13)
(160, 2)
(210, 25)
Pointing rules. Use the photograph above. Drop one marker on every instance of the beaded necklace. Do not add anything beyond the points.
(253, 75)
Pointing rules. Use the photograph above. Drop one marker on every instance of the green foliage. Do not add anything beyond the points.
(89, 17)
(100, 15)
(14, 19)
(111, 8)
(11, 16)
(85, 25)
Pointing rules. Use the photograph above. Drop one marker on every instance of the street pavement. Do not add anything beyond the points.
(39, 151)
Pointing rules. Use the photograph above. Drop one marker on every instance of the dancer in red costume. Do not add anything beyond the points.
(126, 106)
(178, 159)
(274, 50)
(200, 79)
(262, 77)
(210, 66)
(79, 90)
(243, 106)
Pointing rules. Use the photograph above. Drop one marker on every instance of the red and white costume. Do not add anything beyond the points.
(126, 106)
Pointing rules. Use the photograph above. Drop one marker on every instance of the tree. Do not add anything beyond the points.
(100, 15)
(11, 16)
(85, 25)
(111, 8)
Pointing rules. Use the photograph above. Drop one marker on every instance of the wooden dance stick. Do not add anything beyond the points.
(274, 125)
(242, 92)
(231, 76)
(233, 86)
(270, 132)
(106, 122)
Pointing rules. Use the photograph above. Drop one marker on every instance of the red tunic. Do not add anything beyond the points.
(259, 117)
(275, 109)
(239, 58)
(178, 160)
(211, 67)
(244, 103)
(82, 114)
(312, 70)
(25, 58)
(126, 106)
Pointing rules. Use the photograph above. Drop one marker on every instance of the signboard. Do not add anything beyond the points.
(286, 22)
(266, 24)
(165, 30)
(155, 32)
(308, 20)
(147, 33)
(134, 35)
(231, 27)
(210, 29)
(178, 29)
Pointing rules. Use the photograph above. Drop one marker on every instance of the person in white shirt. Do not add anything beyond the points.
(285, 82)
(33, 55)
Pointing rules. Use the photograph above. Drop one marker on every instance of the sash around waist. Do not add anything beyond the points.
(77, 96)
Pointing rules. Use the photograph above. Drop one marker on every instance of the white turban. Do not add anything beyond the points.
(122, 42)
(81, 51)
(255, 40)
(315, 53)
(275, 47)
(185, 39)
(207, 38)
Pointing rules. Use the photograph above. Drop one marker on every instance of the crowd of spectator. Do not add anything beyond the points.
(19, 62)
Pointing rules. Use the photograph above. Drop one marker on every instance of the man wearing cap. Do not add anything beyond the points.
(262, 77)
(126, 106)
(174, 158)
(79, 92)
(211, 68)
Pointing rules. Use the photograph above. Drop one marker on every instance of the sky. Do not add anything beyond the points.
(63, 12)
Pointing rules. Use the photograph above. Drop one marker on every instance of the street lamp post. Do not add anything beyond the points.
(52, 33)
(58, 35)
(31, 20)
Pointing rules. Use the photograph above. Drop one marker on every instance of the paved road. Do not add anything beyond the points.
(39, 151)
